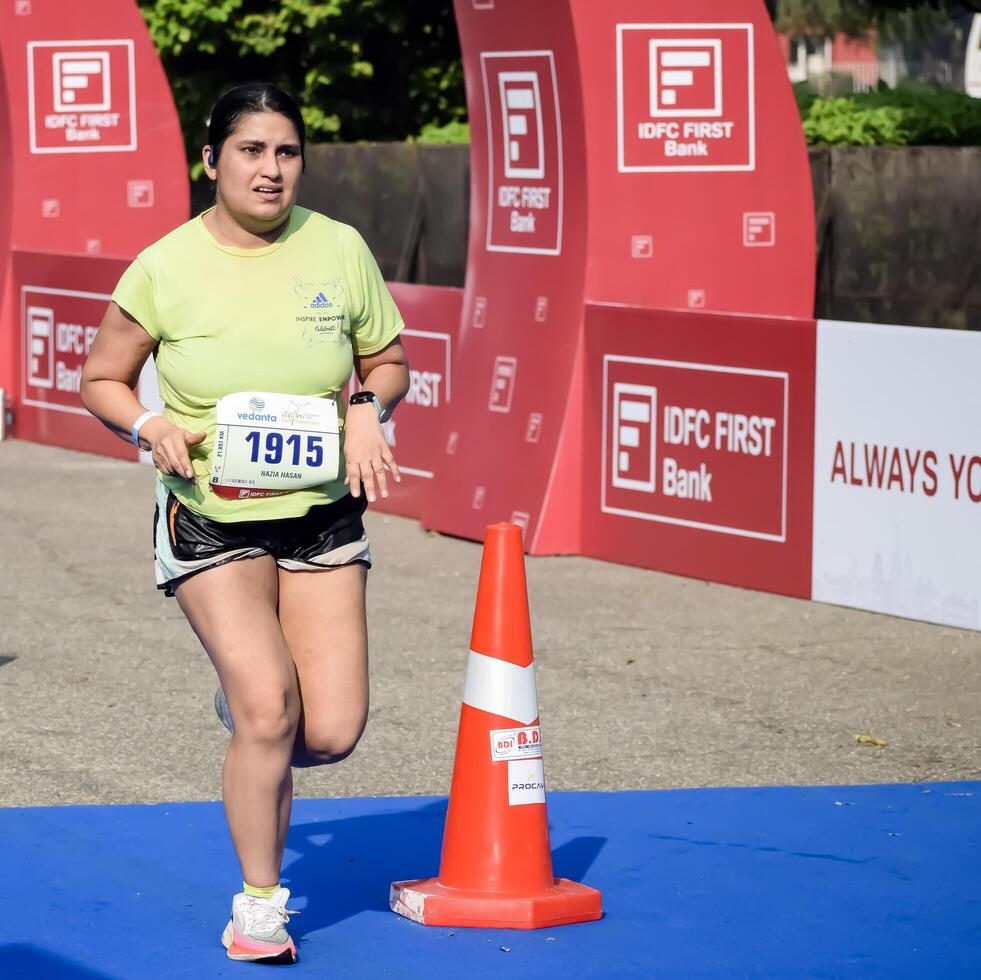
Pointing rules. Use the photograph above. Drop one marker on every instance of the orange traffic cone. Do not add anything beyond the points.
(496, 866)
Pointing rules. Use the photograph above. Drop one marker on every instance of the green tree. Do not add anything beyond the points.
(360, 69)
(856, 17)
(823, 16)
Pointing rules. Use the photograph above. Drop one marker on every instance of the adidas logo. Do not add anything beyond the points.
(320, 302)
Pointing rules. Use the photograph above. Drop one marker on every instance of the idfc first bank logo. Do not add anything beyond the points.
(685, 97)
(524, 145)
(81, 96)
(698, 445)
(59, 327)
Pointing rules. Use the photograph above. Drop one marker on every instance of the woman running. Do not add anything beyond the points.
(256, 312)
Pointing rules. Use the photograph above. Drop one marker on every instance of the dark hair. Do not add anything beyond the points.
(244, 100)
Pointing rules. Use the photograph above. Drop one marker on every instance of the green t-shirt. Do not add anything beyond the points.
(288, 318)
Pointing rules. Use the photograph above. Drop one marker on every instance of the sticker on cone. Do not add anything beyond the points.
(496, 865)
(516, 743)
(526, 782)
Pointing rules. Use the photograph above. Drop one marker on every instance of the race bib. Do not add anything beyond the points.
(268, 444)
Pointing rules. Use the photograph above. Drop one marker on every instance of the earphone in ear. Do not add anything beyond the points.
(211, 158)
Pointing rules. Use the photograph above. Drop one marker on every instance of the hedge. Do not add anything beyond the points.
(908, 115)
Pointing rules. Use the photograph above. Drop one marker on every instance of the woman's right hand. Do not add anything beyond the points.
(169, 446)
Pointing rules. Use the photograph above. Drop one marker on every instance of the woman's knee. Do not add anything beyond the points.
(270, 717)
(329, 742)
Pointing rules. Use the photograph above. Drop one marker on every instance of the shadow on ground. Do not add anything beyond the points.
(355, 860)
(25, 962)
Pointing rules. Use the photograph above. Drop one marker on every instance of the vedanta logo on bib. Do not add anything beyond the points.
(256, 417)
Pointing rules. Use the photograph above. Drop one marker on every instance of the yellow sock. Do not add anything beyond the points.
(260, 892)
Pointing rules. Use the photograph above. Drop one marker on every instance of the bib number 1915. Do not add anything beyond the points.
(275, 447)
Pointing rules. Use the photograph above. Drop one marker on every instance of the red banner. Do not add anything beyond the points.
(513, 373)
(432, 319)
(615, 159)
(700, 189)
(60, 301)
(699, 445)
(684, 441)
(92, 145)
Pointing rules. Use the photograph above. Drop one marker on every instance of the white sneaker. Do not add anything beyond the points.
(257, 929)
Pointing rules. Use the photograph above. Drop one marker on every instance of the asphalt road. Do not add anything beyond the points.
(645, 680)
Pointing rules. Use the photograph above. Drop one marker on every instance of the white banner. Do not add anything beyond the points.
(897, 471)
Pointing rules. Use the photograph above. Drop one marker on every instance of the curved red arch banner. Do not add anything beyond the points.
(631, 375)
(624, 154)
(95, 158)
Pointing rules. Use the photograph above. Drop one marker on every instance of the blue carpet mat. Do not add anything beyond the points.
(863, 881)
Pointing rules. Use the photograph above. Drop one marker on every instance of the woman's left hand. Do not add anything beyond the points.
(366, 453)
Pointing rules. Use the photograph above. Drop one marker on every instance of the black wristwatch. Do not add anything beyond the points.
(364, 396)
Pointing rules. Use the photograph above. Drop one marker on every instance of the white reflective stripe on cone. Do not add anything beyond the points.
(501, 688)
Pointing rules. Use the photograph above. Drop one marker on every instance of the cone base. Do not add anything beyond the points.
(432, 904)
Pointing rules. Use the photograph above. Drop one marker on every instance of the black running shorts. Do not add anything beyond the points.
(186, 543)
